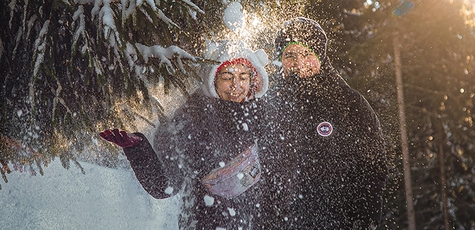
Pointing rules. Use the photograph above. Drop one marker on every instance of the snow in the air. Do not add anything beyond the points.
(233, 16)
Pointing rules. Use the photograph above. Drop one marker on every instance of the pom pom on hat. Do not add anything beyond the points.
(304, 31)
(227, 51)
(233, 16)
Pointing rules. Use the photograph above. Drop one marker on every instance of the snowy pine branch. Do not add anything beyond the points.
(40, 47)
(164, 55)
(82, 62)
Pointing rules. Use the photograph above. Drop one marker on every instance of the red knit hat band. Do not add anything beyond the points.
(233, 62)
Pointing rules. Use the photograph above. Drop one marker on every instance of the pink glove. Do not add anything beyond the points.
(121, 138)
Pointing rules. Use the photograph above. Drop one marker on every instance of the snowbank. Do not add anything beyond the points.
(103, 198)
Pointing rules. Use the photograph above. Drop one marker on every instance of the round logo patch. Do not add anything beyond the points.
(325, 129)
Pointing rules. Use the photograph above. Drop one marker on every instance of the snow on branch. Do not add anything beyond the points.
(39, 48)
(152, 4)
(164, 54)
(82, 24)
(164, 18)
(192, 8)
(129, 8)
(107, 16)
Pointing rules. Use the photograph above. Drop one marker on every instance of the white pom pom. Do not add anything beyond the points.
(262, 57)
(233, 16)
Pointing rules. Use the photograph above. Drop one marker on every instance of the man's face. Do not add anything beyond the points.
(298, 59)
(233, 82)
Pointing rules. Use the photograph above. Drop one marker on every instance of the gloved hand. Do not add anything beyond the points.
(121, 138)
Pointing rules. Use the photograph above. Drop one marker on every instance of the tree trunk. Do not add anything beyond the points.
(402, 127)
(443, 182)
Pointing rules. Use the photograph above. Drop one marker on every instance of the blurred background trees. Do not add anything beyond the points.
(70, 69)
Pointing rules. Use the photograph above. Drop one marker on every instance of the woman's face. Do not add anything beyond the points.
(298, 59)
(233, 82)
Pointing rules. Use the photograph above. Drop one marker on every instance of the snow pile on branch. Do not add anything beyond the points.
(108, 17)
(164, 54)
(40, 44)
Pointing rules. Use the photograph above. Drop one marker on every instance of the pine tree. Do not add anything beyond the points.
(70, 69)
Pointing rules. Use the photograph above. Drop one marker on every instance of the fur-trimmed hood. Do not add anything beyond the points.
(229, 50)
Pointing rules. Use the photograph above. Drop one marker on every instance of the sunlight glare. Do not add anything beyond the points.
(468, 12)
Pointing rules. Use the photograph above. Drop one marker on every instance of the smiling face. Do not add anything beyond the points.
(298, 59)
(233, 82)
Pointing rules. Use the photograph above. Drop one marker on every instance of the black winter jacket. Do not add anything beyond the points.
(326, 155)
(204, 134)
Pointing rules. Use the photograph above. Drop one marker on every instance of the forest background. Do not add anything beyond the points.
(72, 68)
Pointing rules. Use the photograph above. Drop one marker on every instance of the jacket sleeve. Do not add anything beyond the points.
(371, 166)
(148, 168)
(179, 143)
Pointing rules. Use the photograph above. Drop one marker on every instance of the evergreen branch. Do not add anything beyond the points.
(147, 16)
(80, 30)
(157, 105)
(193, 7)
(40, 47)
(3, 170)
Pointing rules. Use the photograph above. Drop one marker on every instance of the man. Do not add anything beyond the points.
(326, 155)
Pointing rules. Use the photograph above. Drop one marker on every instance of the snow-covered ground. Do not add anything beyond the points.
(102, 198)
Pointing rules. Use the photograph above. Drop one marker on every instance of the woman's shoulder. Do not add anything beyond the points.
(196, 103)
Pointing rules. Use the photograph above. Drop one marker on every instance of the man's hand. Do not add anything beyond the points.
(121, 138)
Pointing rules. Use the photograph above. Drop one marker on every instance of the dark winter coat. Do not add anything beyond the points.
(322, 181)
(203, 134)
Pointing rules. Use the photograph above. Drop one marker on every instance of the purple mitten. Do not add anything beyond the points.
(121, 138)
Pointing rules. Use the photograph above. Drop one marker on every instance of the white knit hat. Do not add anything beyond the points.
(230, 50)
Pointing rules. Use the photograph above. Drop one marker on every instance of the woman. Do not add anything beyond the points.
(207, 152)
